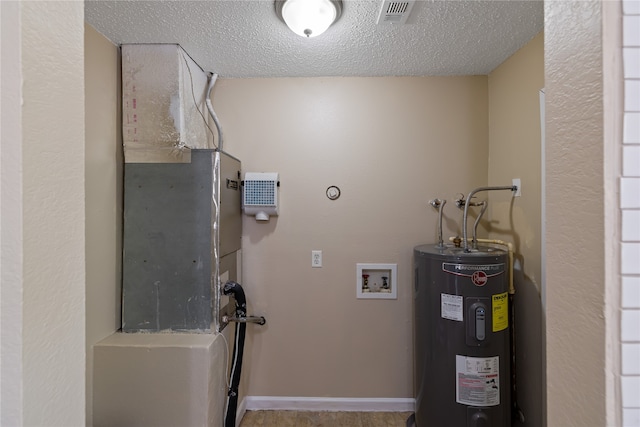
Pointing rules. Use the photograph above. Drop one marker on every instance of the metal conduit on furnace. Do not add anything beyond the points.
(212, 81)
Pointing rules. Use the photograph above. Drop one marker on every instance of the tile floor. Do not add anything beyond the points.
(324, 419)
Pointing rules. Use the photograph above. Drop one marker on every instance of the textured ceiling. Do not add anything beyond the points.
(245, 38)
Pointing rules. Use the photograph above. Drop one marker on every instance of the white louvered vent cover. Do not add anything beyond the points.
(260, 194)
(395, 12)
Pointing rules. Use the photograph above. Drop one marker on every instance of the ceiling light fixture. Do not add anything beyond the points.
(308, 18)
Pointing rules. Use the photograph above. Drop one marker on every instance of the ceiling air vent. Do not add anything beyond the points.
(395, 12)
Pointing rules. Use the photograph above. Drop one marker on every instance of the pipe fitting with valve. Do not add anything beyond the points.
(235, 290)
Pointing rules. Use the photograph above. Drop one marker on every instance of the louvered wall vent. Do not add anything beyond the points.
(395, 12)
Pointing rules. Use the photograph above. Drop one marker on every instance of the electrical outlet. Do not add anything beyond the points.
(316, 258)
(517, 183)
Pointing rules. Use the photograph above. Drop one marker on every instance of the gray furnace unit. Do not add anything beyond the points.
(182, 230)
(462, 357)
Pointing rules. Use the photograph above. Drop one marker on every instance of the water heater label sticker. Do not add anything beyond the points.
(478, 380)
(500, 311)
(451, 307)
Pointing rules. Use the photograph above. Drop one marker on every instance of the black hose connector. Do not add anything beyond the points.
(235, 289)
(236, 372)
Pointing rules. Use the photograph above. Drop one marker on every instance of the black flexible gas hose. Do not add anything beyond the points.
(233, 288)
(517, 416)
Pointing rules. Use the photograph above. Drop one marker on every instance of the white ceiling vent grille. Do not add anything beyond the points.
(395, 12)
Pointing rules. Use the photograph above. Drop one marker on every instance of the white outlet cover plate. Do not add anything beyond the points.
(316, 259)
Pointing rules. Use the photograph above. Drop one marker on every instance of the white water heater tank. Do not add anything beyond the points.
(260, 194)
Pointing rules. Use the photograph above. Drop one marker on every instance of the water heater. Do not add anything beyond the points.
(462, 353)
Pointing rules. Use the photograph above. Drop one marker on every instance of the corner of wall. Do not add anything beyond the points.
(103, 183)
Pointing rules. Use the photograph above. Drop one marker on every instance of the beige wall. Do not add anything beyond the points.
(576, 383)
(103, 174)
(390, 144)
(155, 380)
(514, 151)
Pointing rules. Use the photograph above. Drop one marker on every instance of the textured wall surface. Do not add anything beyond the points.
(575, 216)
(53, 213)
(390, 144)
(103, 155)
(11, 268)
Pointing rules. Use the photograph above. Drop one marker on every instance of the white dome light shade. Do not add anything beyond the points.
(309, 18)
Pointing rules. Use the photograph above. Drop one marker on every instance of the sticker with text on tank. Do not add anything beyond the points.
(478, 380)
(500, 311)
(451, 307)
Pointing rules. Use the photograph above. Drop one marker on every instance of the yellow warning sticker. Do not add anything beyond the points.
(500, 312)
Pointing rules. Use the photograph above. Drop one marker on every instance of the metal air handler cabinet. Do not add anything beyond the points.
(461, 342)
(182, 231)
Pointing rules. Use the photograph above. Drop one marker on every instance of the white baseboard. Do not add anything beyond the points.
(366, 404)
